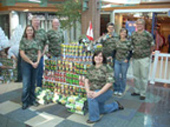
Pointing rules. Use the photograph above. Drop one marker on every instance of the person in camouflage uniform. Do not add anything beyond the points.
(143, 43)
(41, 37)
(30, 54)
(123, 52)
(98, 85)
(108, 40)
(56, 38)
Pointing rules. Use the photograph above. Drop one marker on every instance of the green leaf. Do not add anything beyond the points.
(69, 12)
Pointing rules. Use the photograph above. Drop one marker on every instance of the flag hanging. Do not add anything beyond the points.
(89, 33)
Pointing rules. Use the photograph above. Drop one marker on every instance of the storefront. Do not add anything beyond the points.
(20, 12)
(156, 20)
(11, 20)
(4, 23)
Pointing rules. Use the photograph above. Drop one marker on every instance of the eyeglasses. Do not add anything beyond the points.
(111, 27)
(139, 24)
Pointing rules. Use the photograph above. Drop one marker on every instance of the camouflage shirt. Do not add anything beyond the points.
(123, 50)
(41, 37)
(109, 43)
(30, 47)
(98, 77)
(55, 39)
(142, 42)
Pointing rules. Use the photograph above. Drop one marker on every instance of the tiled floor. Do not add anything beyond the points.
(152, 112)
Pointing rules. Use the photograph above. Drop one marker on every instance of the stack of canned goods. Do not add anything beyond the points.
(9, 73)
(65, 76)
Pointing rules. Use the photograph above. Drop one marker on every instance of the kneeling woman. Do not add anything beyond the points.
(98, 84)
(30, 53)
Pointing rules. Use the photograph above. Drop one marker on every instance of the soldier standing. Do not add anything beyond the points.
(56, 38)
(123, 54)
(142, 43)
(30, 53)
(41, 37)
(109, 40)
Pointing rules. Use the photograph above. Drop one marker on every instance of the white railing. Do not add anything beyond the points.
(159, 68)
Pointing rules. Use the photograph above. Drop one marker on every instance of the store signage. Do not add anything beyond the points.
(51, 17)
(40, 16)
(44, 17)
(131, 27)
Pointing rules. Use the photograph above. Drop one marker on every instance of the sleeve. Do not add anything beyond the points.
(45, 38)
(130, 50)
(38, 44)
(151, 40)
(102, 39)
(109, 75)
(87, 75)
(22, 45)
(48, 36)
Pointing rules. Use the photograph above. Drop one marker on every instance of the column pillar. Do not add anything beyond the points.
(91, 14)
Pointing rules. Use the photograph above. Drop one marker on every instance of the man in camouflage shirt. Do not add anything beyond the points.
(143, 43)
(109, 40)
(41, 37)
(56, 38)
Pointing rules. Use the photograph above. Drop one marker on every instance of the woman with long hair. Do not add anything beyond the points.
(98, 85)
(122, 57)
(30, 54)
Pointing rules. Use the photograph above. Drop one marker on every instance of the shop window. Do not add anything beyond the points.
(4, 24)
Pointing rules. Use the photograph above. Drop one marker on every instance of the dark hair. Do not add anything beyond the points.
(110, 24)
(124, 29)
(25, 35)
(97, 53)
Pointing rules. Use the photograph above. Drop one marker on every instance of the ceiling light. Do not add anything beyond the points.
(123, 1)
(25, 10)
(37, 1)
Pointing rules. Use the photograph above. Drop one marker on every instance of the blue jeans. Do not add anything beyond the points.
(97, 105)
(40, 72)
(29, 75)
(120, 68)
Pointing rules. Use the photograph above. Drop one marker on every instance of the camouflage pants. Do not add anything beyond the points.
(141, 73)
